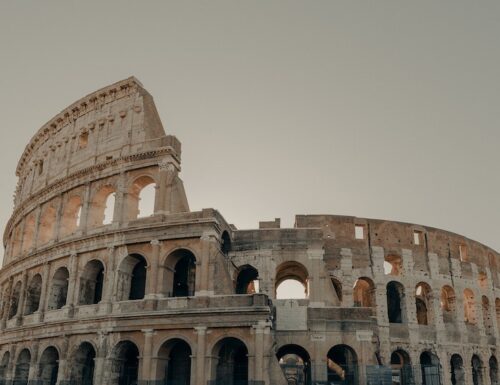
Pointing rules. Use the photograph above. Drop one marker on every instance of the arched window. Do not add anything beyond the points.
(14, 300)
(477, 370)
(364, 290)
(295, 363)
(102, 206)
(174, 363)
(423, 303)
(430, 369)
(72, 216)
(29, 232)
(225, 243)
(132, 278)
(82, 365)
(49, 366)
(393, 265)
(291, 281)
(493, 363)
(22, 367)
(180, 274)
(342, 365)
(448, 304)
(231, 363)
(247, 281)
(469, 307)
(401, 368)
(33, 295)
(91, 283)
(337, 287)
(47, 225)
(4, 365)
(395, 302)
(487, 320)
(141, 198)
(457, 370)
(59, 290)
(125, 365)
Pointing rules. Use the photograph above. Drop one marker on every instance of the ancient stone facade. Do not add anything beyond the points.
(97, 290)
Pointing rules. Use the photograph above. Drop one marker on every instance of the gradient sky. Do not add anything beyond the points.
(382, 109)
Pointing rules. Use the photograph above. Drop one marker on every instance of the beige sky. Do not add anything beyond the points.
(385, 109)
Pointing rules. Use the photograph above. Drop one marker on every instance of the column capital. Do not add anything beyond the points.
(155, 242)
(200, 329)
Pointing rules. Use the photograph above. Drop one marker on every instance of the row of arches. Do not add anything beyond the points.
(39, 229)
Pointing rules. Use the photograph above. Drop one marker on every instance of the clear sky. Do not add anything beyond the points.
(382, 109)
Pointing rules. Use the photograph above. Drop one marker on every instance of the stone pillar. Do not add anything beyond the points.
(11, 366)
(209, 246)
(37, 225)
(347, 281)
(22, 296)
(119, 211)
(44, 292)
(72, 291)
(84, 215)
(152, 276)
(110, 278)
(63, 372)
(147, 354)
(34, 364)
(100, 359)
(200, 355)
(316, 277)
(8, 303)
(259, 351)
(168, 170)
(59, 215)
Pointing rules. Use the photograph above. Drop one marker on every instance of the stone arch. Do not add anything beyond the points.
(174, 362)
(247, 280)
(448, 304)
(28, 240)
(132, 278)
(295, 362)
(230, 364)
(364, 292)
(102, 206)
(401, 367)
(493, 370)
(180, 273)
(82, 364)
(71, 218)
(14, 299)
(477, 370)
(487, 318)
(59, 289)
(457, 370)
(47, 225)
(125, 366)
(4, 365)
(423, 303)
(49, 366)
(393, 265)
(22, 368)
(92, 283)
(342, 362)
(33, 294)
(469, 307)
(396, 302)
(430, 368)
(289, 273)
(141, 192)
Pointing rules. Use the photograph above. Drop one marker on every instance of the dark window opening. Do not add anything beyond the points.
(247, 281)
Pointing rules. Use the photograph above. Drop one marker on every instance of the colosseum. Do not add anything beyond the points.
(101, 286)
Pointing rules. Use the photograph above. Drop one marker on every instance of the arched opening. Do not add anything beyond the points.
(225, 243)
(469, 307)
(4, 365)
(487, 320)
(22, 369)
(132, 278)
(71, 218)
(423, 303)
(83, 364)
(448, 304)
(393, 265)
(402, 373)
(291, 281)
(59, 290)
(29, 232)
(14, 300)
(102, 207)
(174, 363)
(477, 367)
(430, 369)
(247, 281)
(49, 366)
(33, 295)
(342, 365)
(47, 225)
(231, 362)
(126, 364)
(493, 363)
(457, 370)
(395, 302)
(141, 198)
(364, 293)
(295, 363)
(180, 273)
(92, 283)
(337, 288)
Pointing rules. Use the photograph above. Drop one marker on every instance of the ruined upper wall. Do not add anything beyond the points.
(113, 122)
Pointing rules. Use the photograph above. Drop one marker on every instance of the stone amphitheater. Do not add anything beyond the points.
(101, 286)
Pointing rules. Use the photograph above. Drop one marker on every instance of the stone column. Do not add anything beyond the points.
(168, 170)
(152, 277)
(316, 277)
(59, 215)
(119, 211)
(22, 296)
(200, 355)
(100, 359)
(209, 246)
(109, 282)
(37, 225)
(8, 303)
(259, 351)
(347, 281)
(11, 366)
(63, 372)
(84, 215)
(72, 292)
(44, 291)
(34, 364)
(147, 354)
